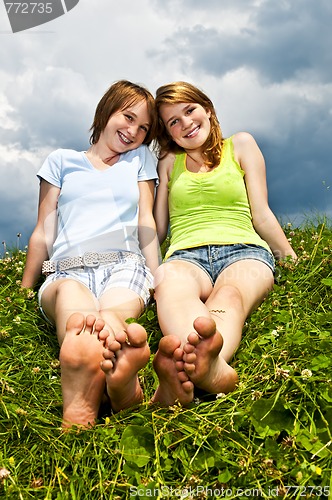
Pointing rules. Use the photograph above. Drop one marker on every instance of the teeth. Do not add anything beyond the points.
(124, 138)
(193, 132)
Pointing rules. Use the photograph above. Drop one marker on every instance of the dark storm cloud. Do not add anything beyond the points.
(281, 40)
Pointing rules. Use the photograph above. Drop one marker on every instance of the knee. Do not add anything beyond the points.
(66, 286)
(232, 297)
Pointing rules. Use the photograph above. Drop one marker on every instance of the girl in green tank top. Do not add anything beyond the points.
(212, 198)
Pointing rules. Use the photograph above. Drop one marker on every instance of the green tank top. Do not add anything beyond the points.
(210, 208)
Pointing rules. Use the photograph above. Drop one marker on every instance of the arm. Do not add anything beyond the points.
(160, 211)
(265, 223)
(147, 226)
(43, 235)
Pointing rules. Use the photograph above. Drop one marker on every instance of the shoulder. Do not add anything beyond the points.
(245, 148)
(243, 139)
(166, 164)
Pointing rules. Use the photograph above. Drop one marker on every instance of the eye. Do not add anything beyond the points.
(129, 118)
(173, 122)
(190, 110)
(145, 129)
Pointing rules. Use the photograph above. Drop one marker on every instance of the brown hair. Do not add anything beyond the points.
(184, 92)
(119, 96)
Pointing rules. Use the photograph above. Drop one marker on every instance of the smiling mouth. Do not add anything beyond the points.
(124, 139)
(193, 132)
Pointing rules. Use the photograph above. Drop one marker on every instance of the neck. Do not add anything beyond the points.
(105, 155)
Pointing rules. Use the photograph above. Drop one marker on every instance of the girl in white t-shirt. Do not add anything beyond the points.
(95, 239)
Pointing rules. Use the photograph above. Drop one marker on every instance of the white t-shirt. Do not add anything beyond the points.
(97, 210)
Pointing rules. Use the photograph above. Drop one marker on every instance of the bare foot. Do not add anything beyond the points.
(82, 380)
(123, 358)
(174, 384)
(203, 362)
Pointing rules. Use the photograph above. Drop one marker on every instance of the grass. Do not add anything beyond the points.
(270, 438)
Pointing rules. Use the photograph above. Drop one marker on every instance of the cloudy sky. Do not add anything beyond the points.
(266, 64)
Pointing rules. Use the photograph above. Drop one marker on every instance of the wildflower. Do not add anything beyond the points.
(36, 369)
(30, 294)
(55, 363)
(275, 333)
(197, 401)
(287, 441)
(17, 320)
(3, 334)
(220, 395)
(20, 411)
(318, 471)
(256, 395)
(37, 483)
(282, 373)
(4, 473)
(306, 373)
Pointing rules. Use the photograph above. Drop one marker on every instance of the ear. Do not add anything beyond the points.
(208, 112)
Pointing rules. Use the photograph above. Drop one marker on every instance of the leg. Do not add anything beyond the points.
(174, 383)
(239, 289)
(127, 351)
(81, 349)
(181, 288)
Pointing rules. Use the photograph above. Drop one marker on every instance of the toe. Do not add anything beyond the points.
(136, 335)
(193, 339)
(90, 322)
(75, 323)
(169, 344)
(205, 327)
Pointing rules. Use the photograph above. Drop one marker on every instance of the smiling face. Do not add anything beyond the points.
(127, 128)
(187, 123)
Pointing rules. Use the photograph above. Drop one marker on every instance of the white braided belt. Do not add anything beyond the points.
(89, 259)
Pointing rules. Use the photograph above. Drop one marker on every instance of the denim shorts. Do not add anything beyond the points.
(213, 259)
(125, 273)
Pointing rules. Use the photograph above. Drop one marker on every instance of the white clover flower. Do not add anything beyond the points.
(4, 473)
(282, 373)
(220, 395)
(306, 373)
(256, 395)
(275, 333)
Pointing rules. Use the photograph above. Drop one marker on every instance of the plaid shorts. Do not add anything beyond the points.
(125, 273)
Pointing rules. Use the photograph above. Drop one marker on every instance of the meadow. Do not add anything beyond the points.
(270, 438)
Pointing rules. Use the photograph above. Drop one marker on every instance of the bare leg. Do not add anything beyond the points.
(174, 383)
(203, 361)
(123, 358)
(82, 345)
(81, 378)
(220, 312)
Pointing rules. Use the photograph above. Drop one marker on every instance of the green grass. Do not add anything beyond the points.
(270, 438)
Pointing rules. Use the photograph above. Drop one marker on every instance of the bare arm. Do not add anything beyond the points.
(147, 226)
(265, 223)
(43, 235)
(160, 211)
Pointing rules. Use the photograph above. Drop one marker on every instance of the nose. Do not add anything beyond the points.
(186, 122)
(133, 129)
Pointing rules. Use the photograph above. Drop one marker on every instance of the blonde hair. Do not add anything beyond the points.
(184, 92)
(121, 95)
